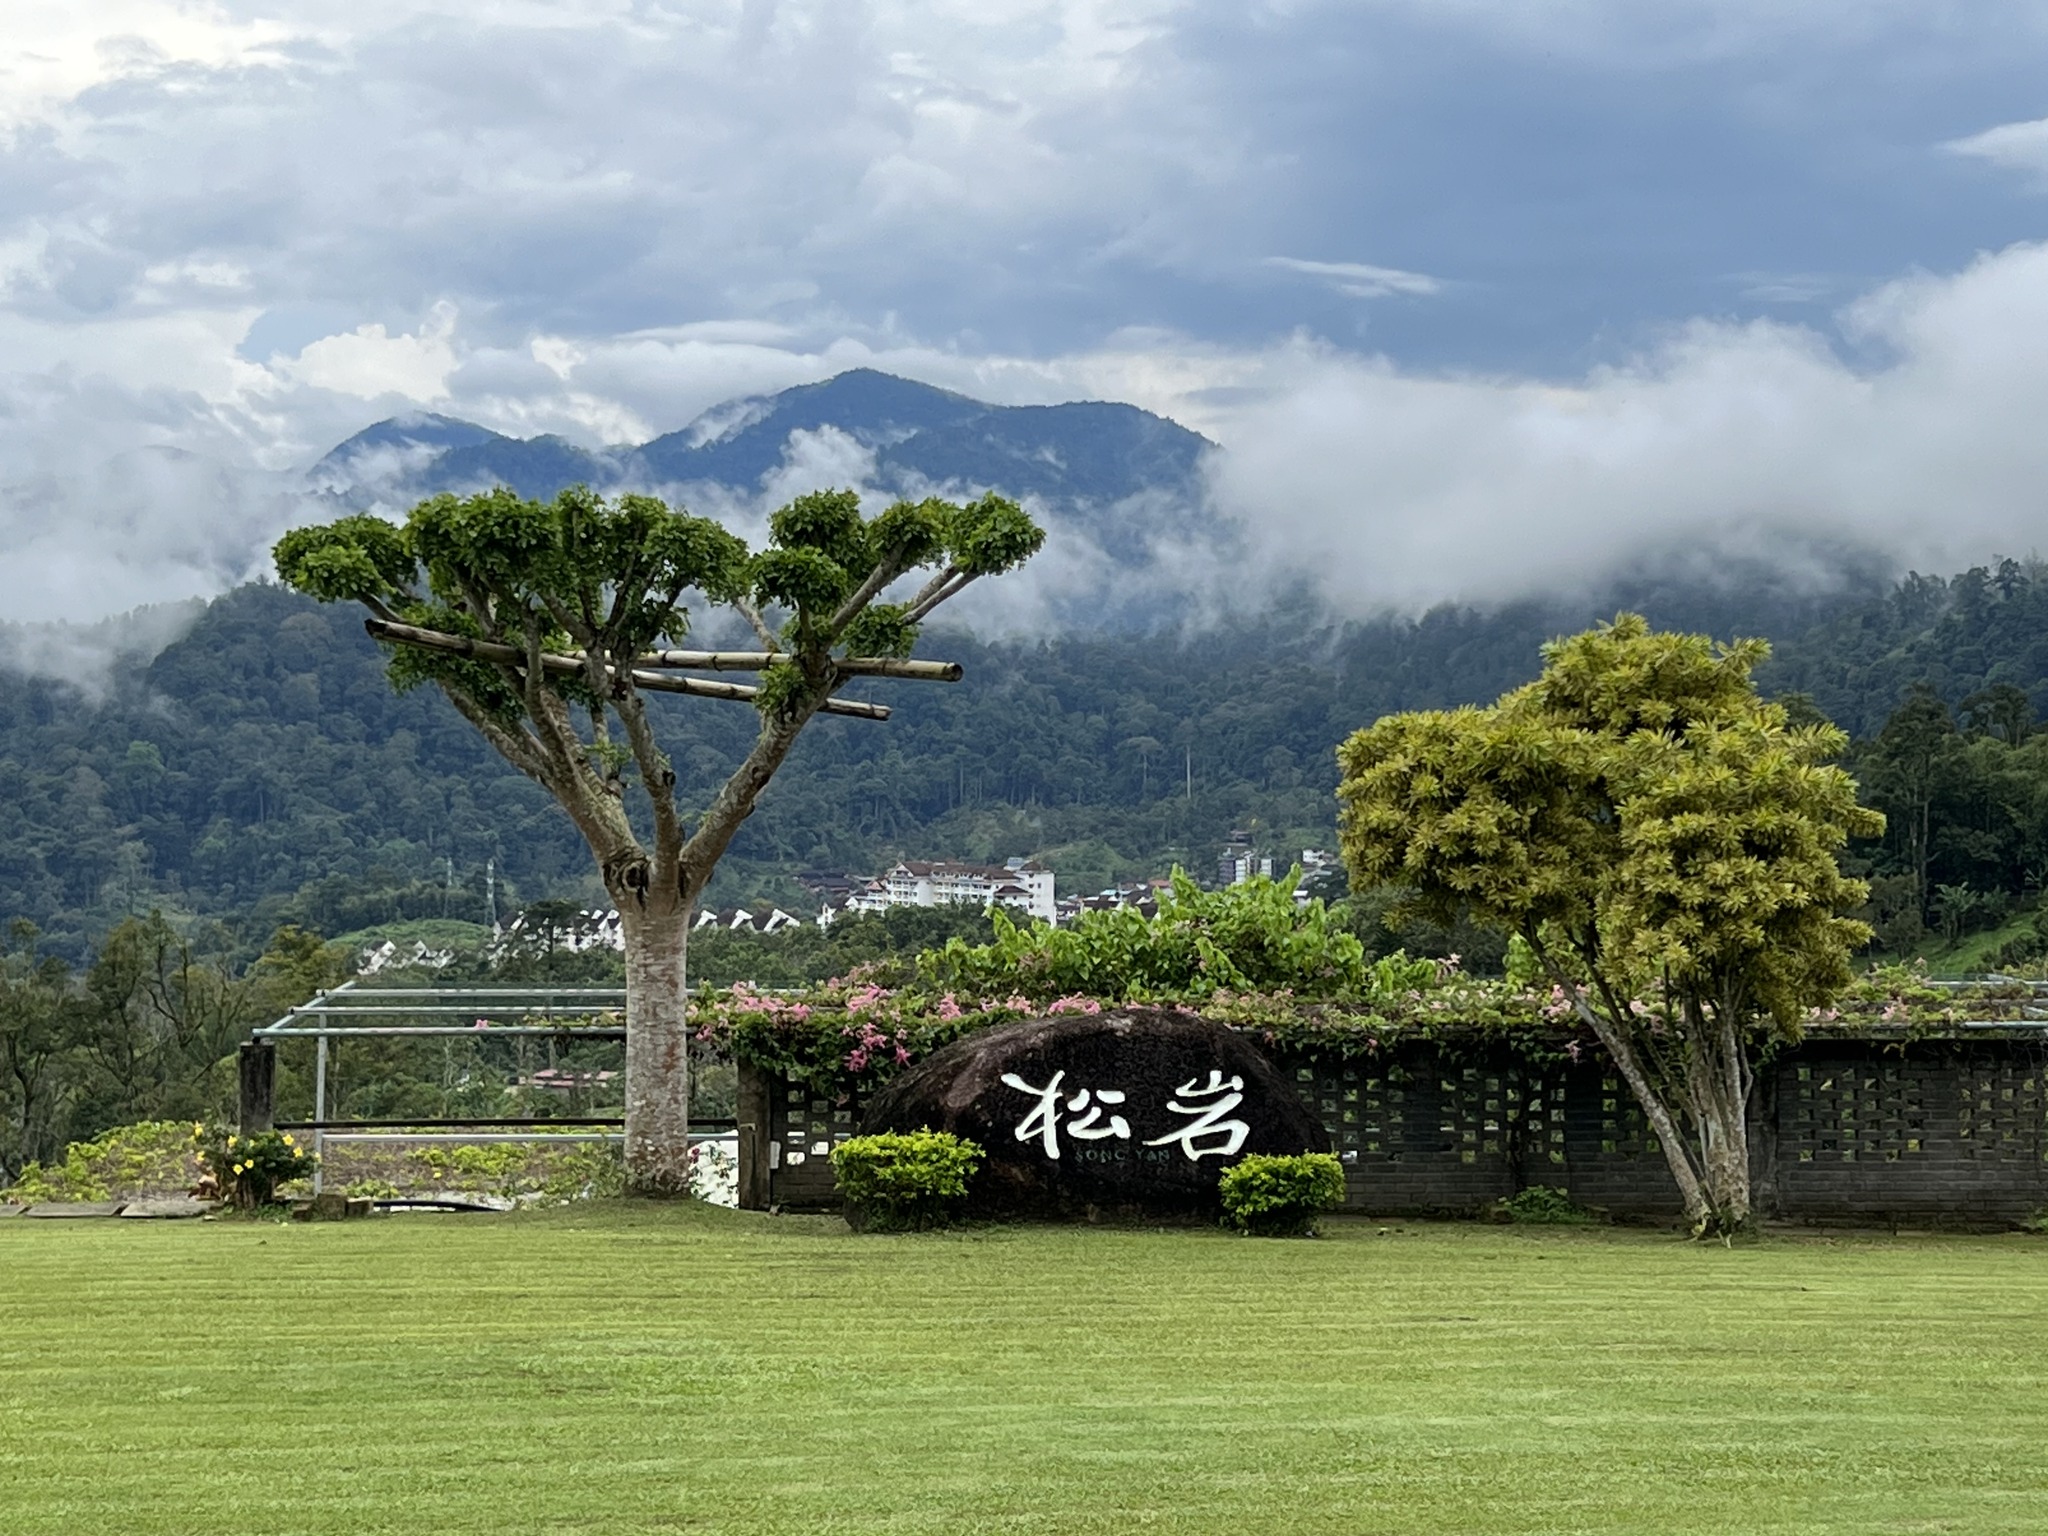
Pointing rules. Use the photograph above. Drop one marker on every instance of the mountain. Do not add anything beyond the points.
(1104, 478)
(1116, 477)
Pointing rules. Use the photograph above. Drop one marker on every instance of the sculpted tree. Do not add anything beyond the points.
(542, 623)
(1665, 843)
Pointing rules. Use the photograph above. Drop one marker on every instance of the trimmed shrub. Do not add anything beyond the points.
(1542, 1205)
(1281, 1196)
(904, 1182)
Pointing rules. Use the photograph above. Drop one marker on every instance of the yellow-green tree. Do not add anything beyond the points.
(1663, 840)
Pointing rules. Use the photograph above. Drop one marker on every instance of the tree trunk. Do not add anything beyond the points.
(657, 1051)
(1712, 1174)
(1717, 1086)
(1692, 1190)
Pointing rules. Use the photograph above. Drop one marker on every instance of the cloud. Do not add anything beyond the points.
(1359, 281)
(231, 236)
(369, 364)
(2010, 146)
(84, 655)
(1381, 485)
(1743, 440)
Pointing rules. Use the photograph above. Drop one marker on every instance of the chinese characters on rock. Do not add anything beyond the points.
(1203, 1107)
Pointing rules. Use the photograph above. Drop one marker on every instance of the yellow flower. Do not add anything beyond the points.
(288, 1138)
(231, 1141)
(238, 1167)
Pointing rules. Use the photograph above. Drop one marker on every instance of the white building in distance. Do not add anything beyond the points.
(911, 883)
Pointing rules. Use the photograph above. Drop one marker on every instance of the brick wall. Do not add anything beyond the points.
(1951, 1131)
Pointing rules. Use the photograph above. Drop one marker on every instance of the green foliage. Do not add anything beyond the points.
(1544, 1205)
(1522, 967)
(1651, 829)
(147, 1032)
(259, 770)
(610, 575)
(904, 1182)
(154, 1157)
(1269, 1196)
(514, 1170)
(250, 1169)
(537, 1172)
(1641, 796)
(1249, 937)
(1383, 925)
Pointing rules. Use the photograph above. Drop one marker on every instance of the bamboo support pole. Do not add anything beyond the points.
(851, 666)
(652, 682)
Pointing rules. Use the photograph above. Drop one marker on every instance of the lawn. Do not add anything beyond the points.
(617, 1369)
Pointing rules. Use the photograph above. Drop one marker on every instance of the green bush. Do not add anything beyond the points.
(154, 1157)
(1246, 938)
(1542, 1205)
(249, 1169)
(1281, 1196)
(543, 1171)
(904, 1182)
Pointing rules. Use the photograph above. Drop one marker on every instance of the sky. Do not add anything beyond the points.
(1478, 296)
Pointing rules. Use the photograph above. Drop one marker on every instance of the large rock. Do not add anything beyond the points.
(69, 1210)
(1134, 1112)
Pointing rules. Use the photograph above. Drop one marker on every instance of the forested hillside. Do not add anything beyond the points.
(261, 768)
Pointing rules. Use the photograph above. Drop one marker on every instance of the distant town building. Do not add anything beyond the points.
(1026, 886)
(1142, 895)
(1322, 874)
(1019, 884)
(740, 920)
(1240, 861)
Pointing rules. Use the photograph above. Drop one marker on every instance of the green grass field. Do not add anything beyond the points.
(622, 1369)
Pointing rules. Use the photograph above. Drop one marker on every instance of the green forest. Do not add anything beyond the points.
(260, 771)
(209, 838)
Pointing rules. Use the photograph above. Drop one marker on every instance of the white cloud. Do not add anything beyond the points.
(2011, 146)
(603, 220)
(1386, 486)
(1389, 488)
(1357, 280)
(370, 364)
(56, 50)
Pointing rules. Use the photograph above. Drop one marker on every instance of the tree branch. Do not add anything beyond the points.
(757, 661)
(657, 778)
(515, 746)
(925, 604)
(1614, 1034)
(932, 587)
(734, 802)
(883, 573)
(752, 615)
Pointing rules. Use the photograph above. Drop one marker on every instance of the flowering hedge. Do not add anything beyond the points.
(856, 1032)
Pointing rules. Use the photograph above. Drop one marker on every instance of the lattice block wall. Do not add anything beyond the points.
(1855, 1131)
(804, 1126)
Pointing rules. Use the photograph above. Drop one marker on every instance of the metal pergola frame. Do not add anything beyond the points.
(332, 1014)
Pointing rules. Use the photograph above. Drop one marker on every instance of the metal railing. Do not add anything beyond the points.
(336, 1015)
